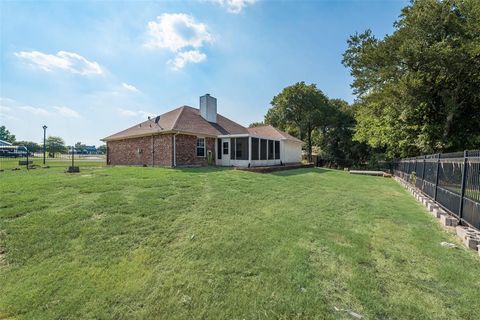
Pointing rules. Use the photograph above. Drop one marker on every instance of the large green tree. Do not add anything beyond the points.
(5, 135)
(31, 146)
(55, 145)
(418, 89)
(102, 149)
(299, 109)
(256, 124)
(336, 144)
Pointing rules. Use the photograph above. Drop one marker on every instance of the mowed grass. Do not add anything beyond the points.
(152, 243)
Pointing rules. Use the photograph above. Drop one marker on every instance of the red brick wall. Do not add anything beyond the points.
(186, 150)
(138, 151)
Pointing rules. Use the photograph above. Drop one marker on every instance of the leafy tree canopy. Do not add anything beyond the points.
(256, 124)
(31, 146)
(102, 149)
(417, 89)
(55, 145)
(5, 135)
(299, 109)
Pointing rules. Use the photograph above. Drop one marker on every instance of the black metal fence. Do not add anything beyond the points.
(25, 161)
(450, 179)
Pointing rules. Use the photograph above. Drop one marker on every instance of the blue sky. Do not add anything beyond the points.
(89, 69)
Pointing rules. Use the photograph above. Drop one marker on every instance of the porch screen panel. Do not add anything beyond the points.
(232, 148)
(270, 149)
(255, 155)
(241, 148)
(263, 149)
(277, 150)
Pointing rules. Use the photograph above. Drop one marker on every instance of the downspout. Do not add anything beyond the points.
(153, 151)
(174, 158)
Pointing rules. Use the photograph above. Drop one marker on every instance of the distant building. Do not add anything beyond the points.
(90, 150)
(5, 143)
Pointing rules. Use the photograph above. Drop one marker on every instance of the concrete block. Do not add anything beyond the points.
(434, 212)
(432, 206)
(463, 232)
(471, 242)
(448, 221)
(438, 213)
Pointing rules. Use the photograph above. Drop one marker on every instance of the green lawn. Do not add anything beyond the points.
(151, 243)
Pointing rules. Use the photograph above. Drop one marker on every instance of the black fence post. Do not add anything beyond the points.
(436, 176)
(464, 178)
(423, 172)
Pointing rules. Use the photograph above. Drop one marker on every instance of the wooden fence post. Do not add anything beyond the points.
(436, 176)
(464, 178)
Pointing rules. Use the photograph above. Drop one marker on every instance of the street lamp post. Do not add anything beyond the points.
(44, 145)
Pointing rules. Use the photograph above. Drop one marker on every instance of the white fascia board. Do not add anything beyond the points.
(240, 135)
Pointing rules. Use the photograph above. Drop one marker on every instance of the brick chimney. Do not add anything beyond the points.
(208, 108)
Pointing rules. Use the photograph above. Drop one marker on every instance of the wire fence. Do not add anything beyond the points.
(450, 179)
(28, 160)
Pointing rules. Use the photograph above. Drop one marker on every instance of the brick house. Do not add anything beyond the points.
(188, 136)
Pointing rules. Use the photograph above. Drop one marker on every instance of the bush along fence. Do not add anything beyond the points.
(452, 180)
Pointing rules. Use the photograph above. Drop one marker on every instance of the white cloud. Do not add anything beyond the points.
(35, 111)
(176, 31)
(182, 58)
(138, 113)
(179, 33)
(10, 106)
(234, 6)
(63, 60)
(129, 87)
(4, 109)
(67, 112)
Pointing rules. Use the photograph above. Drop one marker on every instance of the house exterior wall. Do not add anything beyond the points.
(138, 151)
(186, 150)
(291, 152)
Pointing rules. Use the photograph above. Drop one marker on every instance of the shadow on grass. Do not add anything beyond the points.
(299, 171)
(202, 169)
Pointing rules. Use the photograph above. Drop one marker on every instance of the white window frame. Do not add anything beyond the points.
(200, 147)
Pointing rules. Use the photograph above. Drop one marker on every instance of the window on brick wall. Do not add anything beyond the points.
(200, 147)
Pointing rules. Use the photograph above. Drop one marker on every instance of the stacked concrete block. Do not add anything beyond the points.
(448, 221)
(469, 236)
